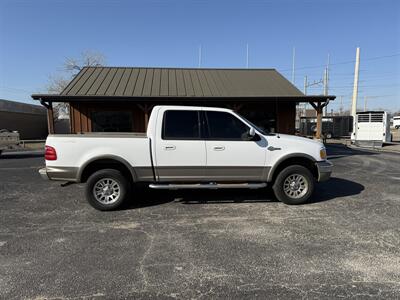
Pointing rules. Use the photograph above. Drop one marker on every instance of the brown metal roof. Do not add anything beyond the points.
(119, 83)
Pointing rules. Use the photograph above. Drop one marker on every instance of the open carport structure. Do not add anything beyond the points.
(121, 99)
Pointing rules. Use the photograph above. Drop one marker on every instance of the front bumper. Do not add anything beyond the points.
(324, 170)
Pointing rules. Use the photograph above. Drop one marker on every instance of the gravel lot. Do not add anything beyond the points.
(229, 244)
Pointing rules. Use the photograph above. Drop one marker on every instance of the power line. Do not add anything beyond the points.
(344, 62)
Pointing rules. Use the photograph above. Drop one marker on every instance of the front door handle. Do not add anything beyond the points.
(272, 148)
(219, 148)
(172, 147)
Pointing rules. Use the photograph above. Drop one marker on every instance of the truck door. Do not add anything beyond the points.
(180, 151)
(230, 155)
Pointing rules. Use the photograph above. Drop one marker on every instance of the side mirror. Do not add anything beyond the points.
(252, 132)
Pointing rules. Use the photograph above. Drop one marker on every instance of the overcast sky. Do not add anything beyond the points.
(37, 36)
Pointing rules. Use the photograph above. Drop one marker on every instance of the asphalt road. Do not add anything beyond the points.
(225, 244)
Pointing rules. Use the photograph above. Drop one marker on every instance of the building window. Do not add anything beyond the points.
(266, 120)
(111, 121)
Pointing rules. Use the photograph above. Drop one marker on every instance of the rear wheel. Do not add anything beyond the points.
(107, 189)
(294, 185)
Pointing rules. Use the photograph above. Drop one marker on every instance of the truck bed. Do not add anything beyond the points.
(75, 151)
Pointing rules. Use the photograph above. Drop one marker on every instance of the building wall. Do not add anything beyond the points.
(80, 115)
(29, 126)
(283, 112)
(28, 119)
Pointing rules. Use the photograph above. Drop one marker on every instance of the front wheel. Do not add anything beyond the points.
(107, 189)
(294, 185)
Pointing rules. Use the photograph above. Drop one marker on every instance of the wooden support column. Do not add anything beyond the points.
(319, 121)
(235, 107)
(50, 118)
(146, 109)
(318, 107)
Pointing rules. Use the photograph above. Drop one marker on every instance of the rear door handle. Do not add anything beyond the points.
(219, 148)
(172, 147)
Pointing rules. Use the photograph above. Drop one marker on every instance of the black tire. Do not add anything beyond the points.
(113, 177)
(294, 170)
(329, 135)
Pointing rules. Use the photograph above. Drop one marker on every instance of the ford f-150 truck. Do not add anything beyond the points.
(187, 148)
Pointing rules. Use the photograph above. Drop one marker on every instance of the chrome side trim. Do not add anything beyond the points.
(208, 186)
(324, 170)
(144, 173)
(211, 173)
(227, 173)
(180, 173)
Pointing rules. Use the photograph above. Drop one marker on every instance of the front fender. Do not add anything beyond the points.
(285, 157)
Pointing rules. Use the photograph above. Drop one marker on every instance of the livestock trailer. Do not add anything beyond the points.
(396, 122)
(373, 127)
(333, 126)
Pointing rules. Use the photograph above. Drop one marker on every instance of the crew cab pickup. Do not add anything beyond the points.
(187, 148)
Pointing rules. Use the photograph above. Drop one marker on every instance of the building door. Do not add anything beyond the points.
(230, 155)
(180, 151)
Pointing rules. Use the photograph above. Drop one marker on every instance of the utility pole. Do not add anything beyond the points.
(355, 92)
(305, 85)
(326, 83)
(247, 56)
(341, 105)
(305, 93)
(200, 56)
(293, 65)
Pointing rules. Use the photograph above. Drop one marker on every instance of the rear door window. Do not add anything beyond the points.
(181, 125)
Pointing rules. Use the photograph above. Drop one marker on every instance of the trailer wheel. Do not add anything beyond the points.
(107, 189)
(329, 135)
(294, 185)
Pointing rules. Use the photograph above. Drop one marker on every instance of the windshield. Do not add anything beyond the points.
(262, 131)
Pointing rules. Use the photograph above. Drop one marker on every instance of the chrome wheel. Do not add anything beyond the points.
(295, 186)
(106, 191)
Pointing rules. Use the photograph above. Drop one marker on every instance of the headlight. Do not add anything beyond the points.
(322, 153)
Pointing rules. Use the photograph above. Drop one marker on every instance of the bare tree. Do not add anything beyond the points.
(87, 59)
(71, 67)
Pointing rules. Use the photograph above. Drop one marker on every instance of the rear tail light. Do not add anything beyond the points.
(50, 153)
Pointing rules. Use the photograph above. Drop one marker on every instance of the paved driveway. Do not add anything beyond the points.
(230, 244)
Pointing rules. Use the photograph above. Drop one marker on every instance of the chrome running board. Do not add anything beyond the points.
(170, 186)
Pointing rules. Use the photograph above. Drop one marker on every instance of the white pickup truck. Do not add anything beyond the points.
(187, 148)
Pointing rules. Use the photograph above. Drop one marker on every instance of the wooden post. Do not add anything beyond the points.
(146, 116)
(146, 109)
(50, 118)
(318, 107)
(319, 121)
